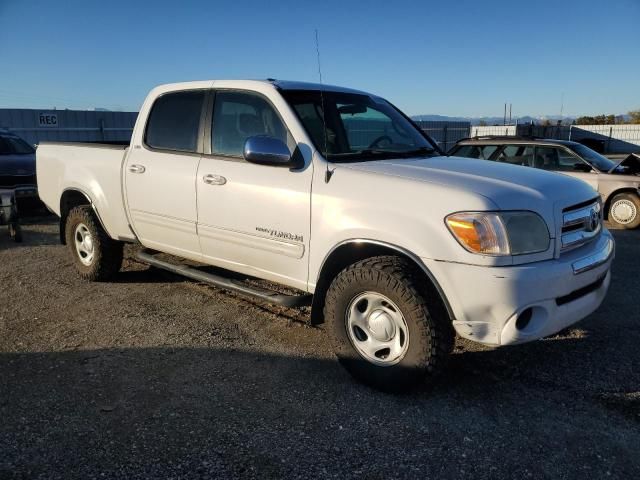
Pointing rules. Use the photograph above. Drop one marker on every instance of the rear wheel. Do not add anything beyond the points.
(96, 256)
(386, 329)
(624, 211)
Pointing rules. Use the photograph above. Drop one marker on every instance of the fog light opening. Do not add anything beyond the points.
(524, 318)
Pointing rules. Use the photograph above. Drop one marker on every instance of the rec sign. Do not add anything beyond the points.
(47, 120)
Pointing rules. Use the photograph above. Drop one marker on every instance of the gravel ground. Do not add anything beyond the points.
(155, 376)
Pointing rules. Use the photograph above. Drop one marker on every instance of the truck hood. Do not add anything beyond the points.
(509, 187)
(18, 164)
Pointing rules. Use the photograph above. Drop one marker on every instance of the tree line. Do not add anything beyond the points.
(634, 118)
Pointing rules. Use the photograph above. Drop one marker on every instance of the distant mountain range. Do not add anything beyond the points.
(497, 120)
(490, 120)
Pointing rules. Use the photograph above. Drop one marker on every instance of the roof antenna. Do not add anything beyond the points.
(328, 173)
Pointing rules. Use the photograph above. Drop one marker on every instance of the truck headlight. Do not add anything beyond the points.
(499, 233)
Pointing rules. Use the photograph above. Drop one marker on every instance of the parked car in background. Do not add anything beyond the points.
(618, 182)
(18, 167)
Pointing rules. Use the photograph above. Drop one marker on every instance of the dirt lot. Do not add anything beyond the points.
(154, 376)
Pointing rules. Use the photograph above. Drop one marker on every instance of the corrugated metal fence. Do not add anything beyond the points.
(68, 125)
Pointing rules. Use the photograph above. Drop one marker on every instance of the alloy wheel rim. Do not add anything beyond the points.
(84, 244)
(377, 329)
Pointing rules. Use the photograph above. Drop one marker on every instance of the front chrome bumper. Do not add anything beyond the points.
(594, 260)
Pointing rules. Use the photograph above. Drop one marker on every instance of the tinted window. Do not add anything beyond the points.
(516, 155)
(238, 116)
(174, 121)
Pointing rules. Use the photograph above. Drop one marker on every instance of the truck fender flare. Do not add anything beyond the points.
(402, 251)
(63, 214)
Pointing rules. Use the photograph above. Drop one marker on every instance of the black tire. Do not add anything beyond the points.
(107, 253)
(430, 332)
(634, 203)
(15, 232)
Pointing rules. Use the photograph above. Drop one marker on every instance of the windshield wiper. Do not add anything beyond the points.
(362, 154)
(418, 151)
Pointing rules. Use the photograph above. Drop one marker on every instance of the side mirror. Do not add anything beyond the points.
(266, 150)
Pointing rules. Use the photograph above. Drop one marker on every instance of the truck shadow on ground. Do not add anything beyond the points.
(128, 411)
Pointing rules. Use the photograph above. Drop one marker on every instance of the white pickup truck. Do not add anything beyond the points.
(337, 195)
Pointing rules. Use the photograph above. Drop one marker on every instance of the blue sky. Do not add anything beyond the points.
(450, 57)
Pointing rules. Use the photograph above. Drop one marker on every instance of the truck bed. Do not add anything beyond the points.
(93, 169)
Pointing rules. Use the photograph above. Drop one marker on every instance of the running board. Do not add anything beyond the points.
(226, 283)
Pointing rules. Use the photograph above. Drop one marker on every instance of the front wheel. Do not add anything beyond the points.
(95, 255)
(624, 211)
(386, 328)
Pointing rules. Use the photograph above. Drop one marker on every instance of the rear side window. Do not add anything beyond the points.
(553, 158)
(517, 155)
(238, 116)
(174, 121)
(483, 152)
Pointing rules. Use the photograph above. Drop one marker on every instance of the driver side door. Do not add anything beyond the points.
(254, 219)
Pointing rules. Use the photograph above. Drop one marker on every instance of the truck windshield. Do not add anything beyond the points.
(358, 127)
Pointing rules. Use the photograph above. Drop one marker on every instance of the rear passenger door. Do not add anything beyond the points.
(254, 219)
(160, 174)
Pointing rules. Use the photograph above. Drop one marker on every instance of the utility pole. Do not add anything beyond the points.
(510, 105)
(504, 121)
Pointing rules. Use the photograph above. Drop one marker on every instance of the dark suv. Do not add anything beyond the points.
(17, 166)
(618, 182)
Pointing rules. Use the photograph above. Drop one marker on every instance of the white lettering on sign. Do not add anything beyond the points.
(48, 120)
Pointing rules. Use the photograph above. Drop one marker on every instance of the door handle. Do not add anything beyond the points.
(136, 168)
(211, 179)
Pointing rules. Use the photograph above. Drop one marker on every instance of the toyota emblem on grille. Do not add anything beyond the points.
(592, 222)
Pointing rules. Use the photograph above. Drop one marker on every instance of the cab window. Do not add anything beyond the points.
(238, 116)
(174, 121)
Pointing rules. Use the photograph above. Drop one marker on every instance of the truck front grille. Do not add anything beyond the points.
(581, 223)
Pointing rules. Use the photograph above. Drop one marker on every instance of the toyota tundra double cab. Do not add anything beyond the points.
(337, 195)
